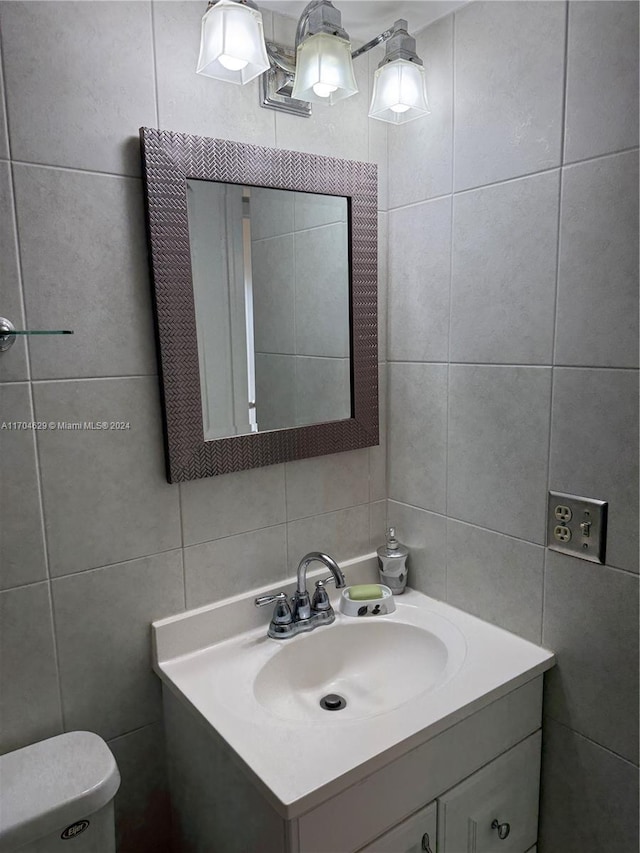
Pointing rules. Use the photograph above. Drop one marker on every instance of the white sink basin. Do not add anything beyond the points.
(374, 665)
(406, 677)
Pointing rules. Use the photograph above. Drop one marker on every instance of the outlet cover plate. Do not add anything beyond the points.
(586, 521)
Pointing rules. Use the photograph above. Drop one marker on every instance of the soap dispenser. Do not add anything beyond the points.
(392, 563)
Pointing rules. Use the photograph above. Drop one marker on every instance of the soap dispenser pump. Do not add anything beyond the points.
(392, 563)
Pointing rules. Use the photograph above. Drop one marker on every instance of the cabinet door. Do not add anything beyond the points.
(416, 834)
(496, 809)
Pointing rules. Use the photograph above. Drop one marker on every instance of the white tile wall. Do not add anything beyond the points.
(94, 527)
(468, 443)
(602, 59)
(539, 381)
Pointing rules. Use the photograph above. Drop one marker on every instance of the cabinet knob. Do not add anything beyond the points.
(503, 829)
(425, 843)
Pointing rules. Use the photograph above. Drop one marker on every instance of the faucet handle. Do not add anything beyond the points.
(263, 600)
(320, 602)
(329, 579)
(282, 612)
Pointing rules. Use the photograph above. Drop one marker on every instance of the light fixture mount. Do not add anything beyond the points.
(400, 45)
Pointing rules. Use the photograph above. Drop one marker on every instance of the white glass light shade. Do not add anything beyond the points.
(232, 44)
(399, 92)
(324, 70)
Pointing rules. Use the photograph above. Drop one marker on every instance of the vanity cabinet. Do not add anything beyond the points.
(497, 807)
(441, 795)
(416, 834)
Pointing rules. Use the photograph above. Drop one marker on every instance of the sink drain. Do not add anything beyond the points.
(333, 702)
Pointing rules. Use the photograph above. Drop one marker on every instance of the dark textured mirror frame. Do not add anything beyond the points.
(169, 160)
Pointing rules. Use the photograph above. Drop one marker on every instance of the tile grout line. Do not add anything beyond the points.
(563, 120)
(451, 256)
(546, 366)
(134, 731)
(61, 168)
(154, 61)
(591, 740)
(3, 96)
(184, 570)
(628, 572)
(36, 453)
(524, 176)
(138, 177)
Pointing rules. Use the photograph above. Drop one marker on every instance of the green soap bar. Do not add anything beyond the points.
(364, 592)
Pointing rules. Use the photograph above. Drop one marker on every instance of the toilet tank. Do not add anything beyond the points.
(56, 796)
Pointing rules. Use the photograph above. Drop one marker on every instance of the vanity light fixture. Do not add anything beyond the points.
(399, 85)
(324, 68)
(232, 46)
(319, 69)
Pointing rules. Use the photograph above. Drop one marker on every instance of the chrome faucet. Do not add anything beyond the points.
(304, 614)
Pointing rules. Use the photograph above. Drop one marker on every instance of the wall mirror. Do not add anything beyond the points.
(264, 278)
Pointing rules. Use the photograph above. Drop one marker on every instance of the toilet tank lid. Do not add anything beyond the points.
(51, 784)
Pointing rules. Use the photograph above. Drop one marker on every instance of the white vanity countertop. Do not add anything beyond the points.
(211, 656)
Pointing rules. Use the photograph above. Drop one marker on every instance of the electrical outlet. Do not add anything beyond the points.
(561, 533)
(577, 526)
(563, 513)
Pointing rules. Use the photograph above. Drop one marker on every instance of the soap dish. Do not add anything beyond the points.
(368, 606)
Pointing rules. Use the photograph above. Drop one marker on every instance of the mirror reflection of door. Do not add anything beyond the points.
(271, 287)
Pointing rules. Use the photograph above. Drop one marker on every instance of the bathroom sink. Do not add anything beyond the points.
(405, 676)
(374, 666)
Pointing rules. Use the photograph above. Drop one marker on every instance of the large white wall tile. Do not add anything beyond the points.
(509, 61)
(496, 578)
(275, 391)
(105, 494)
(322, 291)
(232, 503)
(425, 535)
(419, 279)
(13, 363)
(325, 483)
(420, 152)
(322, 389)
(224, 567)
(498, 446)
(84, 264)
(271, 212)
(597, 321)
(342, 535)
(503, 278)
(273, 273)
(589, 796)
(22, 550)
(79, 81)
(102, 622)
(591, 623)
(594, 449)
(142, 804)
(191, 103)
(30, 698)
(602, 78)
(418, 434)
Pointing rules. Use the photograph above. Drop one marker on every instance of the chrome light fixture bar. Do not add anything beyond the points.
(319, 69)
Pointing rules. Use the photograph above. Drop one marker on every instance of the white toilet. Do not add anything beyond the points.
(56, 796)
